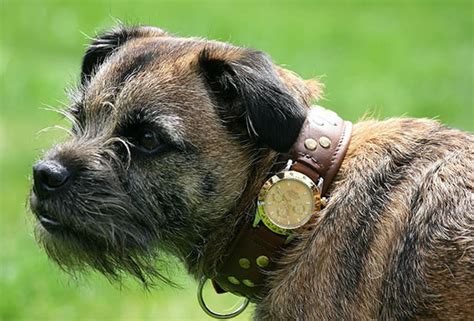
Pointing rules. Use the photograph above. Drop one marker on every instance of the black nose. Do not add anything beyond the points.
(49, 176)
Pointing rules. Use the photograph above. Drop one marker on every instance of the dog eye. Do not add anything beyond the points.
(148, 140)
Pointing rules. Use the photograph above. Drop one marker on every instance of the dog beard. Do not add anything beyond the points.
(96, 225)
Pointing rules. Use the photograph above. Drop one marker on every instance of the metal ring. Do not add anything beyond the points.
(212, 313)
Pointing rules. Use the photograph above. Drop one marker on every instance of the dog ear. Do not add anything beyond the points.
(105, 43)
(250, 88)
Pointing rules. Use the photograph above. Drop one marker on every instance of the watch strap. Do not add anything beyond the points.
(321, 145)
(318, 153)
(253, 254)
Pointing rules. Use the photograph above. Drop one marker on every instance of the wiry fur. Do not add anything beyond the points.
(395, 240)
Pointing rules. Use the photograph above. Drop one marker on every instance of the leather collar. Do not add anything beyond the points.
(318, 153)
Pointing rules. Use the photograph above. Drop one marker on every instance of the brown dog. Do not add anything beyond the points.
(172, 139)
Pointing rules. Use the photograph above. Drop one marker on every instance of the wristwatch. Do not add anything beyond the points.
(292, 197)
(287, 201)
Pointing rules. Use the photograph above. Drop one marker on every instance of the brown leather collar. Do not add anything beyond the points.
(318, 153)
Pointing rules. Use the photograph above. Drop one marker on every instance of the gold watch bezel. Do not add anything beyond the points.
(286, 175)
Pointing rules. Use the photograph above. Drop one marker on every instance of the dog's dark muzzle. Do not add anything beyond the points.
(50, 177)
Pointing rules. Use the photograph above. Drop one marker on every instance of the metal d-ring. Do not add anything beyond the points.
(215, 314)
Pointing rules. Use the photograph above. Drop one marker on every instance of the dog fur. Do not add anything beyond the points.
(395, 240)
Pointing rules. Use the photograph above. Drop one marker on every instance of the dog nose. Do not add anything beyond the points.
(49, 176)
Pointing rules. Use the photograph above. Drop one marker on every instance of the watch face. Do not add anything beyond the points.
(289, 202)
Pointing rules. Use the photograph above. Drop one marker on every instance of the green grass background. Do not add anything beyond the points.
(390, 58)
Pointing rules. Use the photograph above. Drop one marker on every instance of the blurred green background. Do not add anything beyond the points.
(389, 58)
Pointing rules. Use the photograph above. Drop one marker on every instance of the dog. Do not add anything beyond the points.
(171, 141)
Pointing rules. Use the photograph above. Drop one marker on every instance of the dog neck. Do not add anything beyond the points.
(252, 250)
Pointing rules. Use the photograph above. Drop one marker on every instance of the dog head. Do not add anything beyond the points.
(166, 133)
